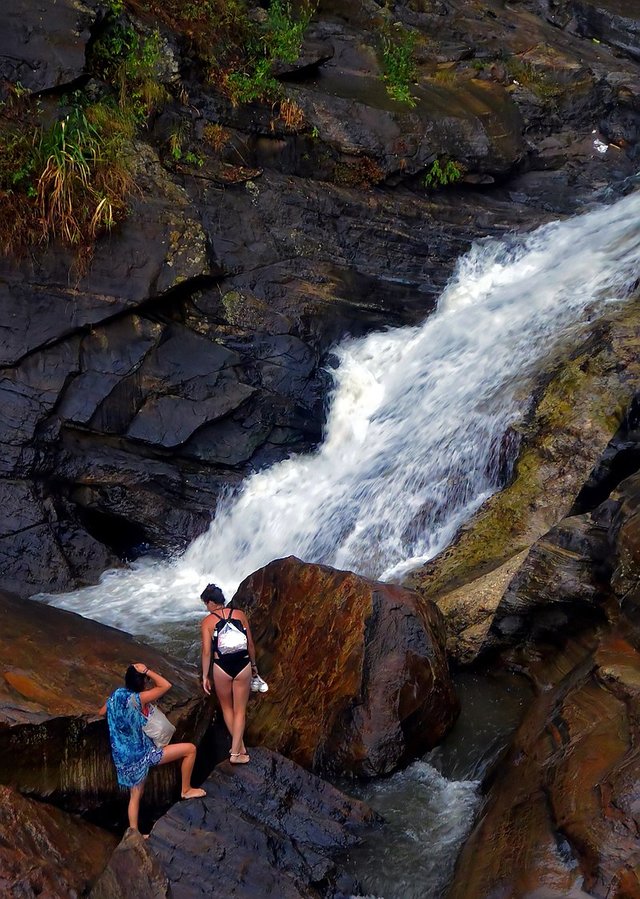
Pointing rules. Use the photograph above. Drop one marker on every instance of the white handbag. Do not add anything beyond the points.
(158, 727)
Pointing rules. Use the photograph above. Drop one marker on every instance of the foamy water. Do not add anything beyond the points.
(414, 427)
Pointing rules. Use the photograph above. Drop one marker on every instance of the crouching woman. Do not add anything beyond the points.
(133, 751)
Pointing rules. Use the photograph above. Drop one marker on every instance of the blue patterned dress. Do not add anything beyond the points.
(132, 750)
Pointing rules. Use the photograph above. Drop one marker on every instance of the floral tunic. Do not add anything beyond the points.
(132, 750)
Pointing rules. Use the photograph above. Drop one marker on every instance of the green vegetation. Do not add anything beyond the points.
(129, 63)
(443, 173)
(277, 40)
(64, 180)
(63, 171)
(399, 66)
(238, 44)
(538, 80)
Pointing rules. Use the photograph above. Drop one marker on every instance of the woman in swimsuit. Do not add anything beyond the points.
(132, 750)
(232, 671)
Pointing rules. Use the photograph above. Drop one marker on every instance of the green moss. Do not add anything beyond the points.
(578, 409)
(399, 68)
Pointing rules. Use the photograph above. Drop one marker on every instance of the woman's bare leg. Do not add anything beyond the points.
(222, 683)
(135, 795)
(241, 687)
(186, 752)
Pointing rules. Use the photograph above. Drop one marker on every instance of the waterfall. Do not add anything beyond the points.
(414, 426)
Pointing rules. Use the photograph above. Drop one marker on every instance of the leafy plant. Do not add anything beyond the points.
(129, 62)
(398, 63)
(66, 180)
(443, 173)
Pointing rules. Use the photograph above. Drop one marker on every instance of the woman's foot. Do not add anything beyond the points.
(193, 793)
(238, 758)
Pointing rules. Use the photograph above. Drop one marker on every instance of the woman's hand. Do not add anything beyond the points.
(206, 685)
(141, 668)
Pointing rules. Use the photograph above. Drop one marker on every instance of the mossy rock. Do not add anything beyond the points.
(576, 410)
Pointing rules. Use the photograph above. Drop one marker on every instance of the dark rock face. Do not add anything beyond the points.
(47, 852)
(193, 350)
(42, 49)
(133, 871)
(266, 828)
(358, 677)
(57, 669)
(563, 809)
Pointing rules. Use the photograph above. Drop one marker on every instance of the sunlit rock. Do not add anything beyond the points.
(47, 852)
(357, 672)
(56, 670)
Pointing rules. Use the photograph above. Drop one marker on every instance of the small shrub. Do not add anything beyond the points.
(537, 80)
(129, 63)
(67, 180)
(217, 136)
(443, 173)
(291, 115)
(399, 67)
(362, 172)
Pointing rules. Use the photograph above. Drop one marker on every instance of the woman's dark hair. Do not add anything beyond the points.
(211, 593)
(134, 679)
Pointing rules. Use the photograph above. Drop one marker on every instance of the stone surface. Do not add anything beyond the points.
(47, 852)
(41, 48)
(57, 669)
(133, 871)
(563, 809)
(264, 829)
(357, 674)
(576, 412)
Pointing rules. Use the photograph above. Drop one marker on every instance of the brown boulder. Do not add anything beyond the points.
(47, 852)
(564, 809)
(357, 673)
(133, 871)
(56, 670)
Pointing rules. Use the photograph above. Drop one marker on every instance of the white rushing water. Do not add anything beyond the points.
(414, 427)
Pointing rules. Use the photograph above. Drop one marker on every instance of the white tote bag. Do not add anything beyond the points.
(158, 727)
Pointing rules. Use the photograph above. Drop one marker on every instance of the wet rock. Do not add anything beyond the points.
(576, 413)
(358, 678)
(41, 51)
(160, 245)
(266, 828)
(47, 852)
(133, 871)
(57, 669)
(563, 809)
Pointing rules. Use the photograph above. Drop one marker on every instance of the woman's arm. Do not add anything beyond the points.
(206, 656)
(160, 685)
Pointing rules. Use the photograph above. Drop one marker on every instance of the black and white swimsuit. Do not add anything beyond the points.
(232, 663)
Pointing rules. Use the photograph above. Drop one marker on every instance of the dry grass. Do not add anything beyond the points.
(291, 115)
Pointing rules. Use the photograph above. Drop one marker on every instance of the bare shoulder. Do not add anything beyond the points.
(205, 624)
(238, 613)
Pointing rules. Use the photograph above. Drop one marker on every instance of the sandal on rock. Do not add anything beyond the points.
(193, 793)
(238, 758)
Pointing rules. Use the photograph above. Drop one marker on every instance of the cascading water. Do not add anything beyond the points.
(414, 428)
(412, 449)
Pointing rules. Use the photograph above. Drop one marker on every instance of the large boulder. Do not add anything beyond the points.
(133, 872)
(47, 852)
(357, 673)
(43, 48)
(563, 810)
(268, 828)
(56, 670)
(576, 411)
